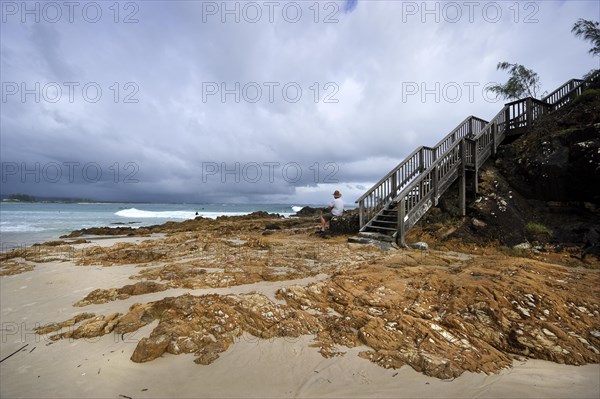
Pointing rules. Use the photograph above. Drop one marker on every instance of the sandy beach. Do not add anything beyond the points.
(288, 366)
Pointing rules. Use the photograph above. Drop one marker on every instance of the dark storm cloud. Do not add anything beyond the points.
(190, 101)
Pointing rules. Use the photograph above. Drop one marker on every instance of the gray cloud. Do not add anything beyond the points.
(158, 122)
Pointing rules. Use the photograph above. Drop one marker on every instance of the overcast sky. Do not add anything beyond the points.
(265, 102)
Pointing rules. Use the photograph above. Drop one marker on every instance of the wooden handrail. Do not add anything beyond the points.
(384, 178)
(410, 157)
(522, 100)
(576, 90)
(567, 84)
(412, 185)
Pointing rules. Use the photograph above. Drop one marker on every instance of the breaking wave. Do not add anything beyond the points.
(137, 213)
(170, 215)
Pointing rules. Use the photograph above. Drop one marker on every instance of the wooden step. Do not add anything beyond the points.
(385, 221)
(394, 219)
(381, 228)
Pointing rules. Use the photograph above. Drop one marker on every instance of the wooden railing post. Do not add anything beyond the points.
(507, 120)
(473, 144)
(461, 180)
(528, 112)
(494, 137)
(361, 214)
(394, 186)
(400, 224)
(435, 180)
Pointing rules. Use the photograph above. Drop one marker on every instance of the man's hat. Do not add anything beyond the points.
(337, 194)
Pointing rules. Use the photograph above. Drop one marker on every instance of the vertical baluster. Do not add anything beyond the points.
(435, 180)
(361, 213)
(400, 223)
(394, 184)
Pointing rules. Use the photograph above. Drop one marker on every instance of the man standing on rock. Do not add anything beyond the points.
(336, 208)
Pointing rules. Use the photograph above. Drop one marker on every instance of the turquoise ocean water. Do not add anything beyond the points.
(24, 224)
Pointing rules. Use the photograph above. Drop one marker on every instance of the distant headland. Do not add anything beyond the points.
(31, 198)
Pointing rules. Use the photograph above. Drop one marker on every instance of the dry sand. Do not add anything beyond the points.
(279, 367)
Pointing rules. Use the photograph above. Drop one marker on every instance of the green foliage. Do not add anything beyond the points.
(588, 96)
(522, 82)
(588, 30)
(533, 229)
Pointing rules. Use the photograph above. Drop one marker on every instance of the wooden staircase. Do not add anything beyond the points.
(397, 202)
(386, 220)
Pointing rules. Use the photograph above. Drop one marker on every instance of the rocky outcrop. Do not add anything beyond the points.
(121, 254)
(442, 314)
(90, 327)
(15, 266)
(562, 166)
(472, 316)
(105, 231)
(558, 159)
(52, 327)
(309, 211)
(102, 296)
(348, 223)
(205, 325)
(255, 220)
(62, 242)
(556, 164)
(253, 215)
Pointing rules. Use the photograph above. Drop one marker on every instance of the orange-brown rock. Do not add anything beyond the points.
(48, 328)
(150, 348)
(443, 321)
(90, 328)
(102, 296)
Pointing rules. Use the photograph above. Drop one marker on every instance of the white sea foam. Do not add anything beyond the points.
(19, 228)
(137, 213)
(214, 215)
(297, 208)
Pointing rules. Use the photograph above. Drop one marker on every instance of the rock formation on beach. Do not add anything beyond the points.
(441, 312)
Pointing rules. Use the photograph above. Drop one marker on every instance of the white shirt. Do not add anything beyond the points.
(337, 206)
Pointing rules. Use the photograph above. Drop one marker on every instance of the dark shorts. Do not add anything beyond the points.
(328, 216)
